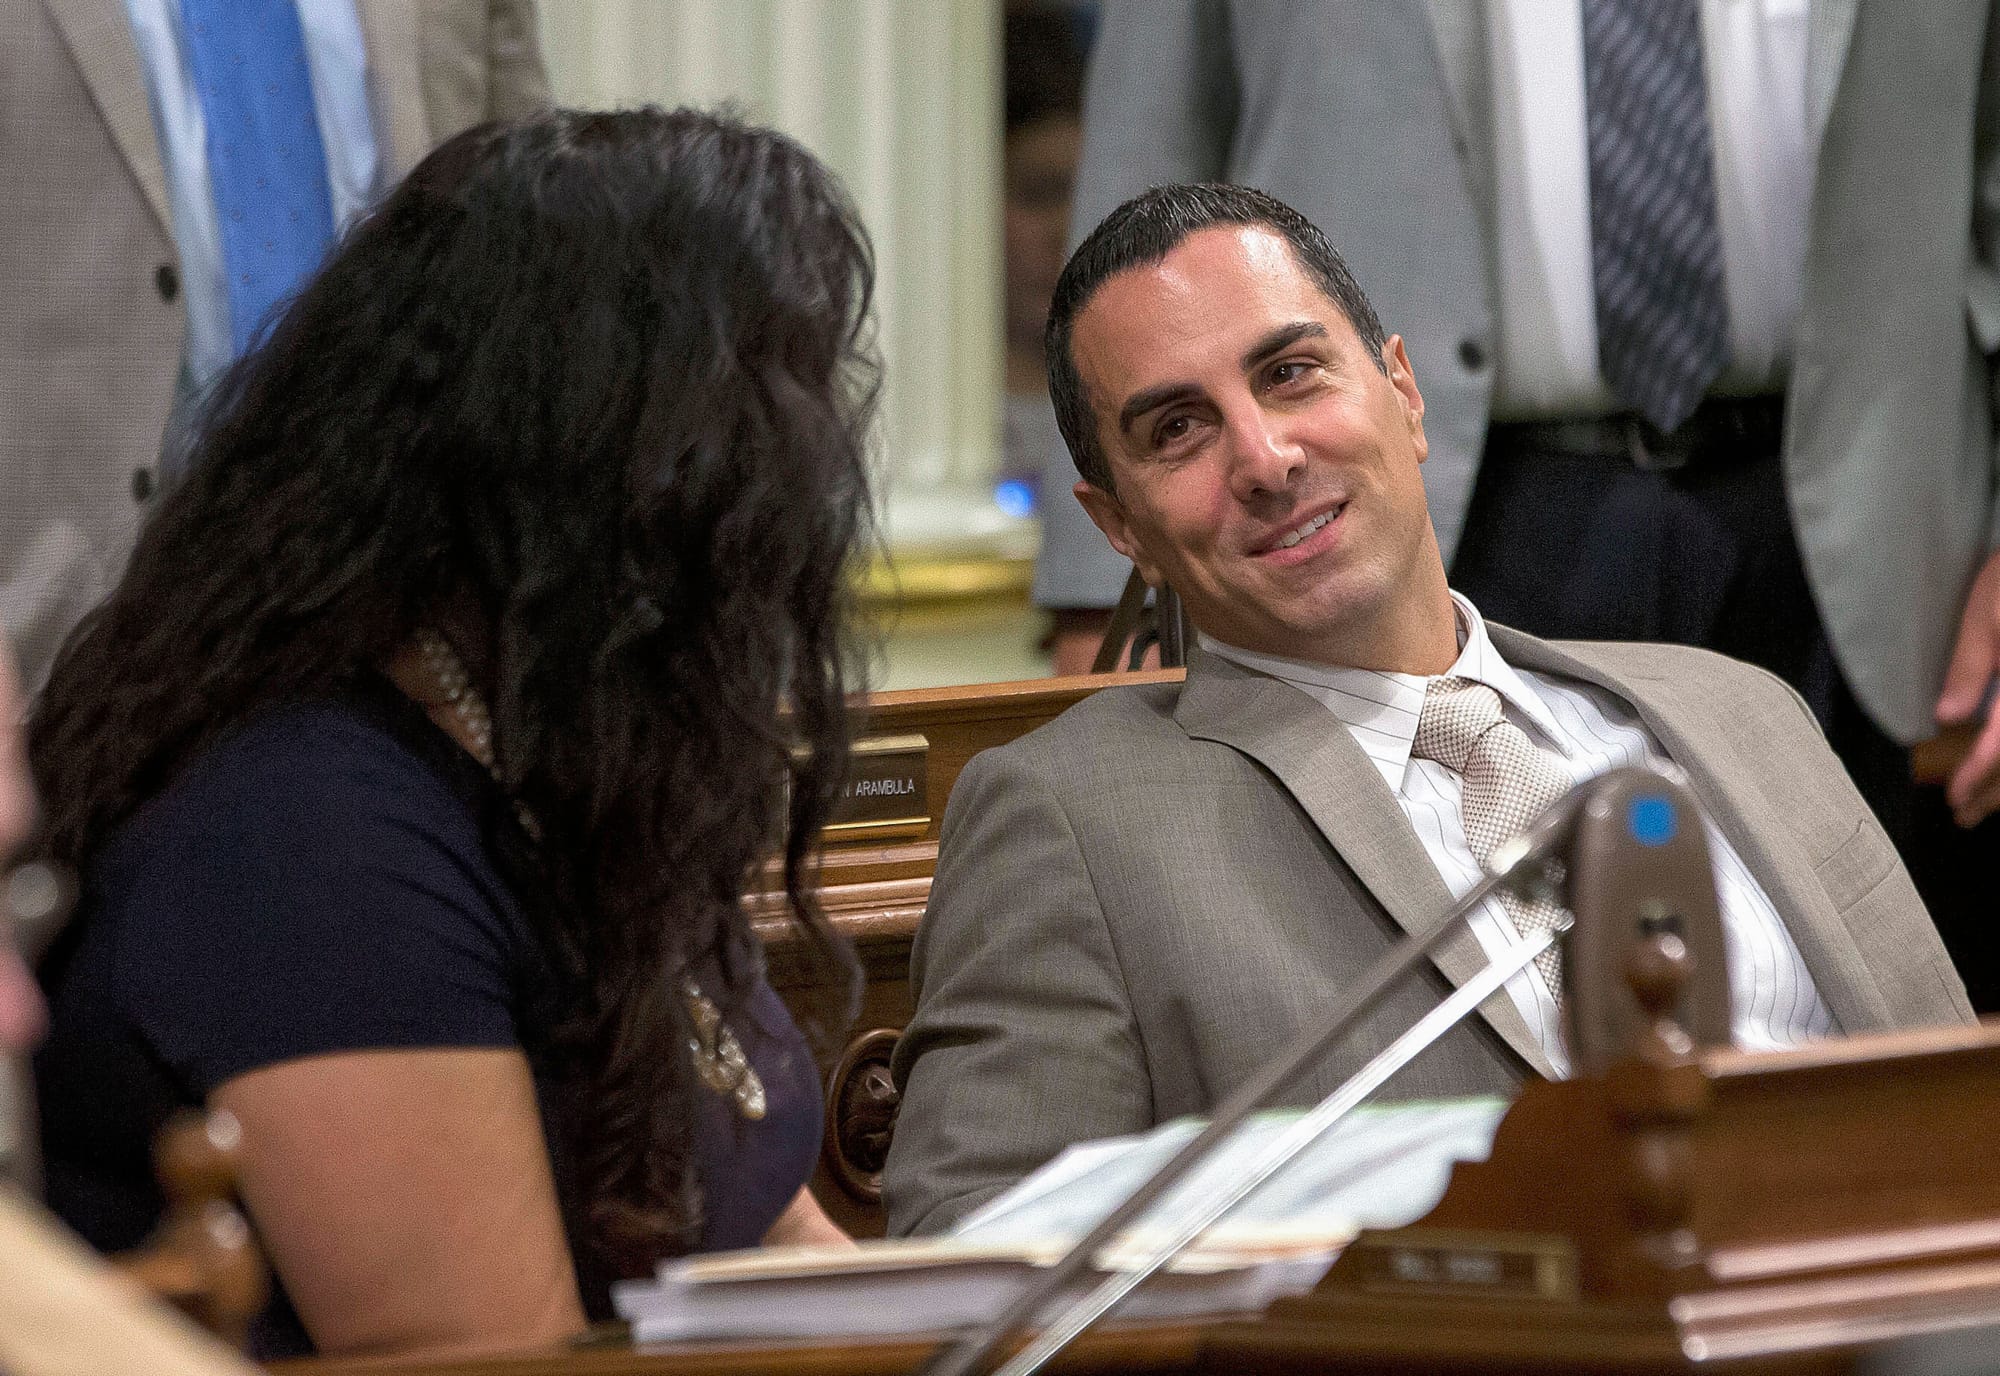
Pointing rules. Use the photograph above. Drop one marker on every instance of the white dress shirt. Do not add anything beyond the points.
(1775, 1003)
(1755, 58)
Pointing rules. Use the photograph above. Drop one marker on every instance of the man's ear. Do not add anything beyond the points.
(1108, 513)
(1404, 380)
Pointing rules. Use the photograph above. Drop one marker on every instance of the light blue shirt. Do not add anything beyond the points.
(338, 61)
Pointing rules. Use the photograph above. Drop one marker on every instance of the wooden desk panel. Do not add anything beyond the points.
(1828, 1199)
(1151, 1350)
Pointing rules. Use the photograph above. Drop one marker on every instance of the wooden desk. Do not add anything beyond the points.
(1153, 1350)
(1776, 1213)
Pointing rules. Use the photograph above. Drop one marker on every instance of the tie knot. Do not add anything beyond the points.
(1457, 712)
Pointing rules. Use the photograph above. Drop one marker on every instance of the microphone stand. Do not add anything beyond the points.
(1072, 1322)
(35, 897)
(1531, 859)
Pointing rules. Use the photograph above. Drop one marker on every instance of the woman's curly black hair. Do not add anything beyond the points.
(602, 376)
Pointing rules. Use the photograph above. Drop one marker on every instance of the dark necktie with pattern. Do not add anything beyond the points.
(1655, 245)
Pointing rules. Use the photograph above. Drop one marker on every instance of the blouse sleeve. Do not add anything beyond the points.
(317, 889)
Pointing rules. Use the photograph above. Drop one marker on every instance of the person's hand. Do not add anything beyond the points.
(1974, 789)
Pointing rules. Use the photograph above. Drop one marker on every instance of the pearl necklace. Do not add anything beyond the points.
(467, 707)
(718, 1056)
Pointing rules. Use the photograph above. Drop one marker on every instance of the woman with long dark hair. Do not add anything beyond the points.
(417, 766)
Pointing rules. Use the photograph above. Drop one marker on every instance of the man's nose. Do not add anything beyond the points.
(1264, 456)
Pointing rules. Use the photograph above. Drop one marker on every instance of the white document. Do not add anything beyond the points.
(1381, 1167)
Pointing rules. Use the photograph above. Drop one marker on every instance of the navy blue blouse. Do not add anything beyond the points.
(322, 879)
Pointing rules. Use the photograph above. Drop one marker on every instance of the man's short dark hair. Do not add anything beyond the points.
(1143, 231)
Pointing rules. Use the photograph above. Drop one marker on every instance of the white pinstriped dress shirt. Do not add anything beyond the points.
(1775, 1002)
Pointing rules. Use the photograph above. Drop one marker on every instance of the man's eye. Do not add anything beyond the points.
(1171, 430)
(1289, 371)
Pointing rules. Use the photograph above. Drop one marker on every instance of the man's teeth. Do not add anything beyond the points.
(1308, 528)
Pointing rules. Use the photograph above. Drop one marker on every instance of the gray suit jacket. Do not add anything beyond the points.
(1135, 905)
(1374, 121)
(90, 327)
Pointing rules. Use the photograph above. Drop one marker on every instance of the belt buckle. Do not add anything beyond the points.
(1649, 458)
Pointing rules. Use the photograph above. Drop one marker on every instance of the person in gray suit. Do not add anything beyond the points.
(1832, 511)
(94, 324)
(1137, 903)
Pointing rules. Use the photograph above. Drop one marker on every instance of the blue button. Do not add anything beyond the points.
(1015, 497)
(1653, 821)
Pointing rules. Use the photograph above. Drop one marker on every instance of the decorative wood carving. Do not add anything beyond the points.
(861, 1106)
(1656, 1097)
(1813, 1202)
(203, 1258)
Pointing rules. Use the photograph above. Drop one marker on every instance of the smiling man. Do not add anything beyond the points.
(1263, 458)
(1136, 905)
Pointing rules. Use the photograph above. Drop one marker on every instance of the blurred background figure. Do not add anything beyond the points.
(1044, 58)
(177, 167)
(416, 766)
(1691, 374)
(21, 1013)
(1045, 54)
(22, 1016)
(904, 99)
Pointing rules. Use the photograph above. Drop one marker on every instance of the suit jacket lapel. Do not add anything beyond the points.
(1726, 787)
(395, 81)
(99, 35)
(1829, 27)
(1326, 772)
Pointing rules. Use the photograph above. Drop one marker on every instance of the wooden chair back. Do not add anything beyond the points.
(203, 1258)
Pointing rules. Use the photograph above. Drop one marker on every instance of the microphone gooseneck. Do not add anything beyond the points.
(1537, 860)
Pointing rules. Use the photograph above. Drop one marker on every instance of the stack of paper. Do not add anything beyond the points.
(883, 1288)
(1381, 1167)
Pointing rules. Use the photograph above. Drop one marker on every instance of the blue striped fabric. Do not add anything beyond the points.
(1776, 1003)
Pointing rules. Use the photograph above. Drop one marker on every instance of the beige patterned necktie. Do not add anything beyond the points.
(1508, 781)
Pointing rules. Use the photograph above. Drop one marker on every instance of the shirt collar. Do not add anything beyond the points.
(1381, 708)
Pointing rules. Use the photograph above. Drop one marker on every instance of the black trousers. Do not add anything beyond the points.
(1563, 542)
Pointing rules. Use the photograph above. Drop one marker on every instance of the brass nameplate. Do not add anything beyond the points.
(887, 788)
(1457, 1261)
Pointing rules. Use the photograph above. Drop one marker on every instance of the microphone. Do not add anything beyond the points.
(1579, 827)
(1640, 873)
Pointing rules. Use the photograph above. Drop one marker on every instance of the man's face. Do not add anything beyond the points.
(1265, 466)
